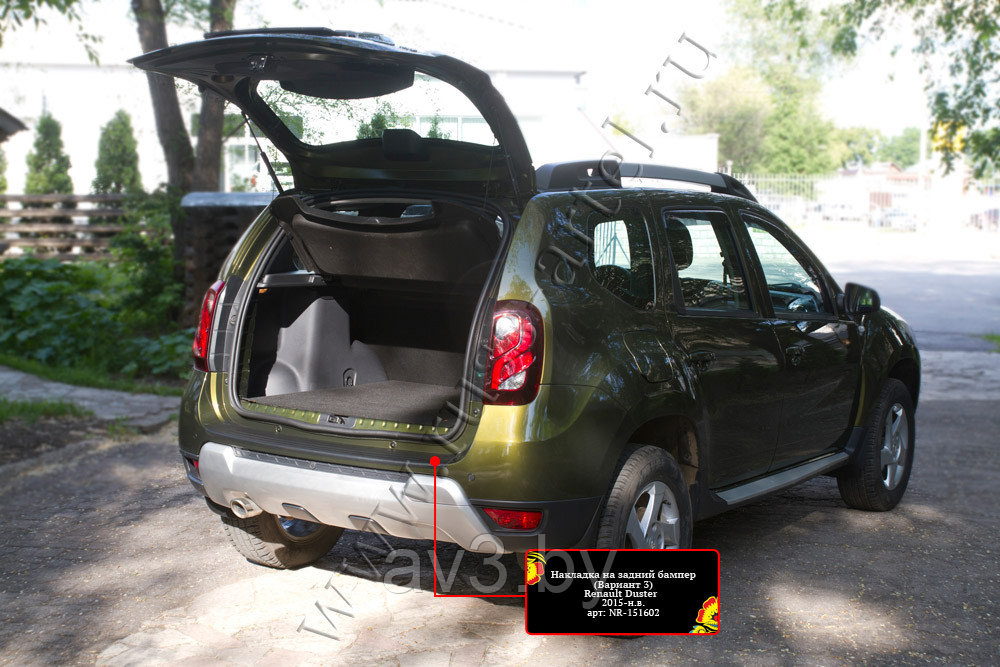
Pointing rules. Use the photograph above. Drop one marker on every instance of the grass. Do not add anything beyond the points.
(85, 377)
(31, 411)
(995, 339)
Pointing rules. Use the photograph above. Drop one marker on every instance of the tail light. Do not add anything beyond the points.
(204, 331)
(515, 366)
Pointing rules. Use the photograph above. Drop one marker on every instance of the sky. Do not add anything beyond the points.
(621, 45)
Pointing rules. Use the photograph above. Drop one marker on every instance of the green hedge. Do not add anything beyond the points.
(89, 315)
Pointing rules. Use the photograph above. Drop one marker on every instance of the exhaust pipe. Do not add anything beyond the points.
(244, 508)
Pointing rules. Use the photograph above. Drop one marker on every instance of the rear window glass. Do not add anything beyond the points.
(430, 107)
(621, 257)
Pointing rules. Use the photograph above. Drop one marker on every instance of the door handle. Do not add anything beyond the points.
(794, 354)
(702, 360)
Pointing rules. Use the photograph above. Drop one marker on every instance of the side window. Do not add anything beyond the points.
(709, 273)
(621, 257)
(794, 287)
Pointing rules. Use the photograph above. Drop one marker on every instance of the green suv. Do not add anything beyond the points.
(592, 365)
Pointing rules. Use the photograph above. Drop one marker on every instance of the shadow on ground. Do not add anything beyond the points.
(109, 539)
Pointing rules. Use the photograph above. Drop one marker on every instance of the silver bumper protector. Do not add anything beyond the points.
(394, 504)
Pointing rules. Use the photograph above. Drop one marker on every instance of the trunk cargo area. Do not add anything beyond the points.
(366, 312)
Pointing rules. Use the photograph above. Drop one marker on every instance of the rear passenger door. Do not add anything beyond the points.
(729, 347)
(621, 261)
(820, 351)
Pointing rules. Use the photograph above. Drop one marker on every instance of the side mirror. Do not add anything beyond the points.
(860, 300)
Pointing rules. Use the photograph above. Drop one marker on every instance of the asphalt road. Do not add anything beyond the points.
(948, 306)
(107, 555)
(946, 283)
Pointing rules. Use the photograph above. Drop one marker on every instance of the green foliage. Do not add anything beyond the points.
(765, 125)
(57, 313)
(32, 411)
(15, 13)
(736, 106)
(797, 139)
(766, 39)
(115, 318)
(385, 117)
(854, 145)
(117, 162)
(435, 131)
(963, 37)
(903, 149)
(48, 165)
(3, 172)
(144, 267)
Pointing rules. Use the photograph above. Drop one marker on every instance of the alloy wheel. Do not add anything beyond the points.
(895, 443)
(654, 519)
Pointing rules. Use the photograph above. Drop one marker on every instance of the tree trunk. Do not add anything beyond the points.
(196, 252)
(166, 108)
(207, 240)
(208, 160)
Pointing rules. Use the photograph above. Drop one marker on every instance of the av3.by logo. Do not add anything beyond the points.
(535, 567)
(708, 618)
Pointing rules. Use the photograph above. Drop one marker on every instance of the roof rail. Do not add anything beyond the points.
(600, 174)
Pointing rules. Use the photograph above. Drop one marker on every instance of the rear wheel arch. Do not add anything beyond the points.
(676, 435)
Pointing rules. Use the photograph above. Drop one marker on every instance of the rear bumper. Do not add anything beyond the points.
(398, 504)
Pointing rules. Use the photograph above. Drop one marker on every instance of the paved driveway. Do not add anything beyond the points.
(107, 555)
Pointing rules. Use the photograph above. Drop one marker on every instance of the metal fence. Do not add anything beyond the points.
(898, 200)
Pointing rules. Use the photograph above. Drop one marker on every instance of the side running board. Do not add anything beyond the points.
(780, 480)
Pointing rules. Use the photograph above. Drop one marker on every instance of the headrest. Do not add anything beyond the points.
(681, 246)
(613, 278)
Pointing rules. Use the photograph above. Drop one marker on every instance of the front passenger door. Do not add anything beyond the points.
(820, 351)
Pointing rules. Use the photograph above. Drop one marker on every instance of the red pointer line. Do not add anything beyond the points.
(435, 462)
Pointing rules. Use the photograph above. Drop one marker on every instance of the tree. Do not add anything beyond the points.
(3, 172)
(736, 106)
(384, 117)
(794, 136)
(48, 170)
(117, 162)
(903, 149)
(48, 165)
(797, 139)
(964, 97)
(185, 169)
(15, 13)
(435, 131)
(195, 250)
(856, 145)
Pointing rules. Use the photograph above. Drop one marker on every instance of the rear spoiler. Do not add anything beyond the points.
(603, 174)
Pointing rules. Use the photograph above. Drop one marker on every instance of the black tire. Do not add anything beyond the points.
(641, 467)
(261, 539)
(865, 482)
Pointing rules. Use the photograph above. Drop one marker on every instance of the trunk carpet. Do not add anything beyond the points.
(410, 402)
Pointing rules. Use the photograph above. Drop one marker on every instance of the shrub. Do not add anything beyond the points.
(48, 165)
(57, 313)
(149, 295)
(3, 173)
(117, 161)
(115, 318)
